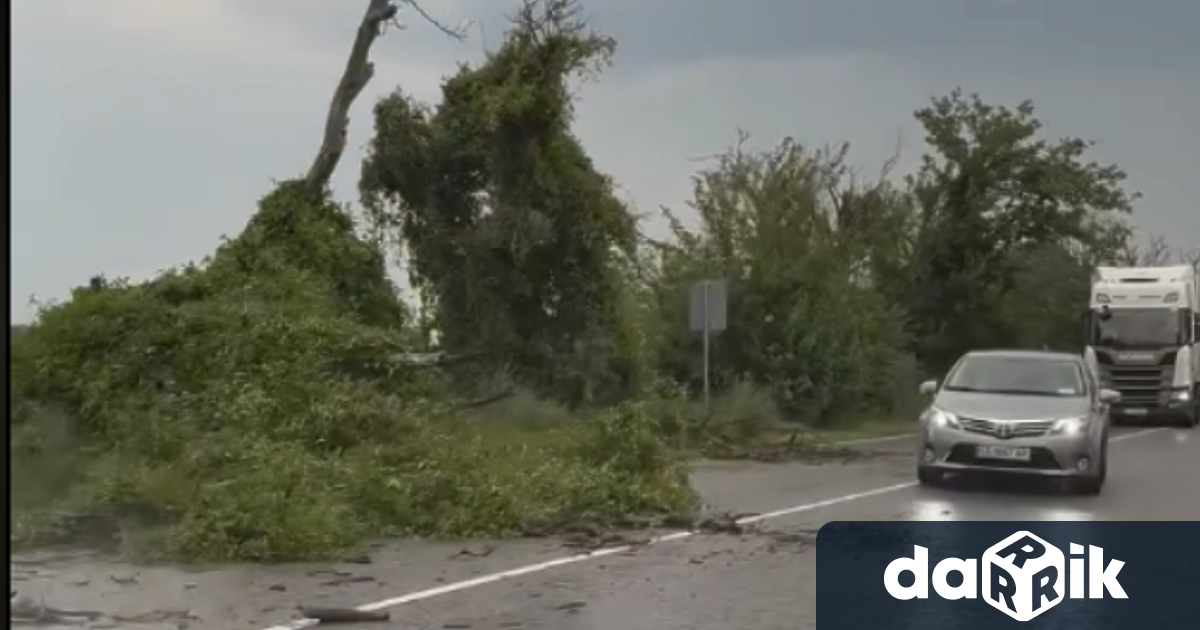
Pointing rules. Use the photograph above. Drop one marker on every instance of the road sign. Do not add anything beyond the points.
(706, 314)
(706, 306)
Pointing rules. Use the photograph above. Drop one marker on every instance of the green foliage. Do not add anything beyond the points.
(806, 320)
(992, 193)
(514, 237)
(252, 407)
(845, 292)
(260, 404)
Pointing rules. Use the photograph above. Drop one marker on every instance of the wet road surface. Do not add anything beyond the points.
(762, 580)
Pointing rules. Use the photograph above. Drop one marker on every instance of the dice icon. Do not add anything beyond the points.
(1023, 576)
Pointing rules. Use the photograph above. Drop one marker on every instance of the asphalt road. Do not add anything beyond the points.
(764, 579)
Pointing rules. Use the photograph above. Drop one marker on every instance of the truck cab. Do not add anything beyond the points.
(1142, 332)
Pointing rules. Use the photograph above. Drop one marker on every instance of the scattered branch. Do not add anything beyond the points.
(436, 359)
(342, 615)
(486, 400)
(459, 32)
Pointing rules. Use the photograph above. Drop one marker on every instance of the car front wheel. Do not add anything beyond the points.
(1092, 486)
(929, 477)
(1089, 486)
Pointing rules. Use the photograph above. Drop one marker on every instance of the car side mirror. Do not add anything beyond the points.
(928, 388)
(1110, 396)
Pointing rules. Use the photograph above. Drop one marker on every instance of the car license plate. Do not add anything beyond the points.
(1135, 411)
(1010, 453)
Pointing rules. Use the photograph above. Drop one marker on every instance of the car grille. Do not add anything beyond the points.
(1017, 429)
(1139, 385)
(1039, 459)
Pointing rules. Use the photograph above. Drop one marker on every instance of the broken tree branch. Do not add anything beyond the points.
(486, 400)
(355, 77)
(342, 615)
(435, 359)
(358, 73)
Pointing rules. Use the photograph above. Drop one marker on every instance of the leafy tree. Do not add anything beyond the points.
(988, 189)
(792, 231)
(515, 239)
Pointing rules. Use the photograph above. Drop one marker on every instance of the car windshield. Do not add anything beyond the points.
(1138, 328)
(1016, 375)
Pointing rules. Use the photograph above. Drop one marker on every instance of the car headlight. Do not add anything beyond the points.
(1069, 426)
(1181, 395)
(941, 419)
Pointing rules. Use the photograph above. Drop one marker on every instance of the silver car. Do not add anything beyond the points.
(1013, 411)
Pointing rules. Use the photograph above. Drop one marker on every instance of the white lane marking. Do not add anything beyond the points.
(538, 567)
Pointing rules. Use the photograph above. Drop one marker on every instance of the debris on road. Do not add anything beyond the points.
(726, 523)
(25, 611)
(349, 579)
(482, 552)
(343, 615)
(571, 607)
(123, 580)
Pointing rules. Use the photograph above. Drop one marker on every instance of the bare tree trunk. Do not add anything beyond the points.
(1193, 258)
(1153, 252)
(355, 77)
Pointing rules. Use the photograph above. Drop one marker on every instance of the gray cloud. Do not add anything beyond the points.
(1145, 35)
(1074, 32)
(143, 130)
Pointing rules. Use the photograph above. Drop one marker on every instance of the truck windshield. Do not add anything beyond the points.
(1138, 328)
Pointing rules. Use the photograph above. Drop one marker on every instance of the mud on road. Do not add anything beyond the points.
(758, 574)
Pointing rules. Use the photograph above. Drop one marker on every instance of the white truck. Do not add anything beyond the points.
(1143, 340)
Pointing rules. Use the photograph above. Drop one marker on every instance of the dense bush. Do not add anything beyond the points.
(253, 407)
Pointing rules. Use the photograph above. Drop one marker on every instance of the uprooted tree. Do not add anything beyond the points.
(253, 405)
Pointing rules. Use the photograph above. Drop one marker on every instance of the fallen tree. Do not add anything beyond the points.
(276, 401)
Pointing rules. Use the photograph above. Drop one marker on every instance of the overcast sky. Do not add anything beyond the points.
(143, 130)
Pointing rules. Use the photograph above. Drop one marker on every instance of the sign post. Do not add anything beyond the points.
(707, 314)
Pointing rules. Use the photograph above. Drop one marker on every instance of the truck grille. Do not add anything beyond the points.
(1139, 385)
(1017, 429)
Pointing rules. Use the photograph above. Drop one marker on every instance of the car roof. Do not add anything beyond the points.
(1037, 355)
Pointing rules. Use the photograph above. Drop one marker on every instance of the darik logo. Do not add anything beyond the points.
(1023, 576)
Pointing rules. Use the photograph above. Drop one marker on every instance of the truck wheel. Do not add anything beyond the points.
(1195, 419)
(1094, 485)
(1191, 417)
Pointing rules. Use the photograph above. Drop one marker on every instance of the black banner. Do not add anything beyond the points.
(997, 575)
